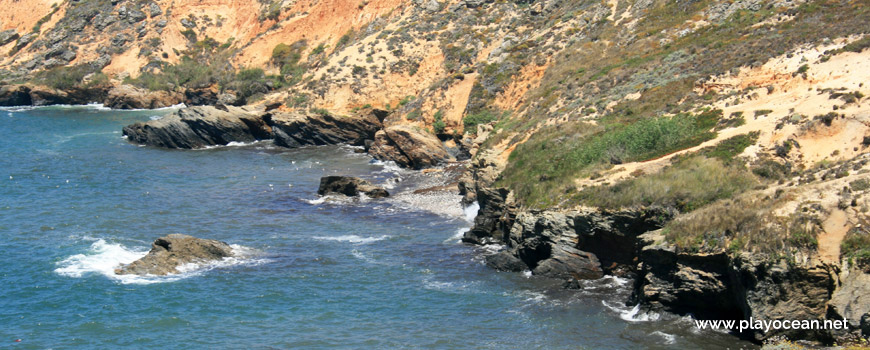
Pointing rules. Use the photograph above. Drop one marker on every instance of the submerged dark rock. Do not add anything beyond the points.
(350, 186)
(171, 251)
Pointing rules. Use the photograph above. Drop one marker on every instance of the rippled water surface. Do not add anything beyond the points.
(76, 199)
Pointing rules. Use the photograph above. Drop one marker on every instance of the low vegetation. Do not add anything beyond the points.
(540, 169)
(745, 223)
(686, 185)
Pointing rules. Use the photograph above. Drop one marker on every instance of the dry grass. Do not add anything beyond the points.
(746, 223)
(686, 185)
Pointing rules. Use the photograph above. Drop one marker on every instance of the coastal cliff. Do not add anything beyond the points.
(714, 151)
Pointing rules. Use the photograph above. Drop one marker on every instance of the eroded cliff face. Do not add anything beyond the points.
(604, 136)
(791, 273)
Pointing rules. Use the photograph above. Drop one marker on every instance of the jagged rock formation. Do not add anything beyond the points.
(296, 130)
(197, 127)
(171, 251)
(201, 126)
(129, 97)
(350, 186)
(408, 147)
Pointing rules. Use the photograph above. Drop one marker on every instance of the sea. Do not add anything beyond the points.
(310, 272)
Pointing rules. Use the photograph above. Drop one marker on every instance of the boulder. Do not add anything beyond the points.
(567, 262)
(24, 40)
(171, 251)
(296, 130)
(349, 186)
(8, 36)
(408, 147)
(200, 126)
(130, 97)
(505, 261)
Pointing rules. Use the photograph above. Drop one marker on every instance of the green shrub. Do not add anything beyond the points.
(190, 35)
(471, 121)
(856, 246)
(554, 162)
(729, 148)
(438, 125)
(64, 77)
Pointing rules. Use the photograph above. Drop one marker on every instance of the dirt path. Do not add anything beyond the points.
(835, 229)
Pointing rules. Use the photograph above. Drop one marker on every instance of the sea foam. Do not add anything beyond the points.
(102, 258)
(352, 239)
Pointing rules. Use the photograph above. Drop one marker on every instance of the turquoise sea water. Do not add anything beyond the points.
(76, 199)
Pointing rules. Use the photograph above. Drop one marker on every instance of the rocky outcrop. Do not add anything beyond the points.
(201, 126)
(171, 251)
(350, 186)
(722, 286)
(494, 218)
(197, 127)
(851, 300)
(8, 36)
(129, 97)
(296, 130)
(39, 95)
(408, 147)
(15, 95)
(568, 245)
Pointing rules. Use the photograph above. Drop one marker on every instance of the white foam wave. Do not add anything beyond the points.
(389, 167)
(669, 338)
(352, 239)
(471, 211)
(632, 315)
(231, 144)
(155, 117)
(457, 237)
(103, 258)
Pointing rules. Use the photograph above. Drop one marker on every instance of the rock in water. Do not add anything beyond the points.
(408, 147)
(350, 186)
(169, 252)
(197, 127)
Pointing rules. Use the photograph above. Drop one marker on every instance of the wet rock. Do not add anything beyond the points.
(8, 36)
(44, 96)
(494, 219)
(566, 263)
(171, 251)
(130, 97)
(349, 186)
(197, 127)
(296, 130)
(505, 261)
(15, 95)
(408, 147)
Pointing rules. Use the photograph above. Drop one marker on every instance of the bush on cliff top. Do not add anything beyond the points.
(686, 185)
(744, 223)
(543, 167)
